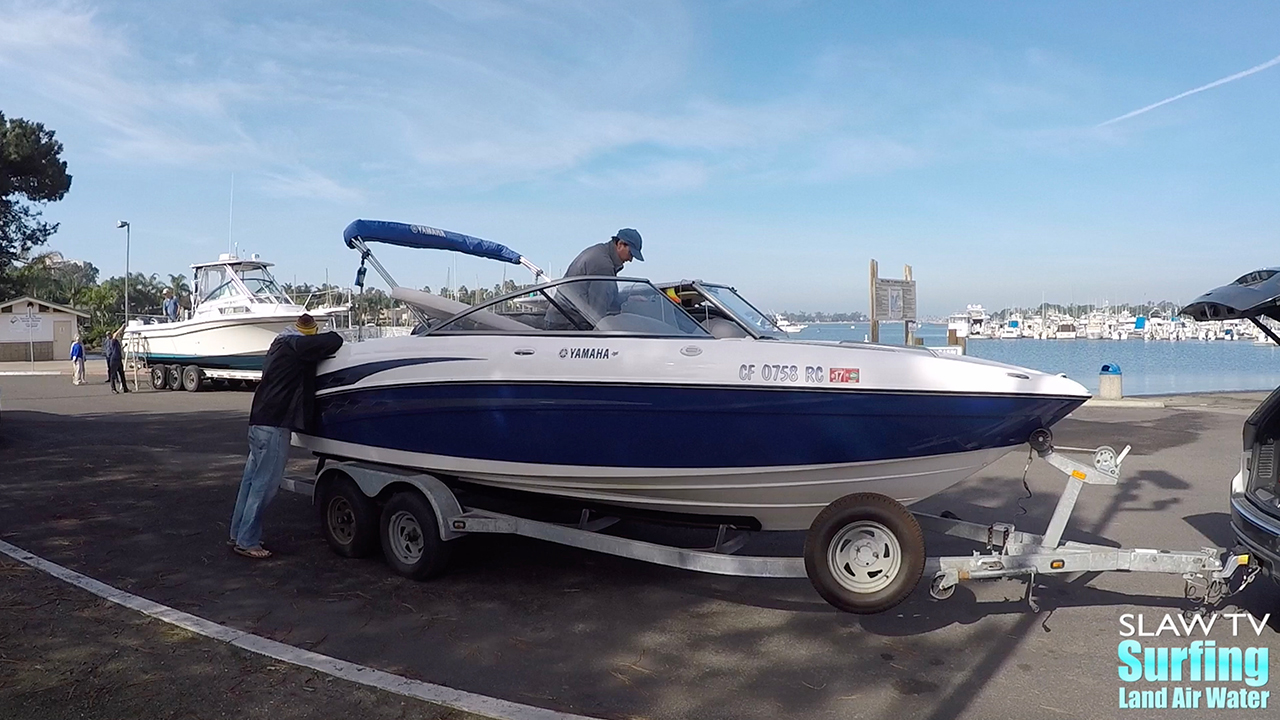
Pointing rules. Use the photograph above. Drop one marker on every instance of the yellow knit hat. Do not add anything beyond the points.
(306, 325)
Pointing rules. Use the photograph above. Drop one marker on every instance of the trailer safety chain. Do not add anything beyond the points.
(1254, 570)
(1022, 510)
(1005, 530)
(1210, 592)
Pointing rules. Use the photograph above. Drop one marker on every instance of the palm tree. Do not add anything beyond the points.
(181, 289)
(179, 285)
(303, 293)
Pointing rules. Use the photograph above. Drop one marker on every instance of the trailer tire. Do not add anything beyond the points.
(173, 377)
(348, 518)
(158, 375)
(864, 553)
(410, 534)
(192, 378)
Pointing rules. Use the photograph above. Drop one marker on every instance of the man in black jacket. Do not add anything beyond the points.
(114, 355)
(283, 402)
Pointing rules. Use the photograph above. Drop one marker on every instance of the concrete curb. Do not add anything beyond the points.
(29, 373)
(1124, 403)
(442, 695)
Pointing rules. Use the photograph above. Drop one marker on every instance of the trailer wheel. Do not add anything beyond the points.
(158, 373)
(173, 377)
(411, 537)
(192, 378)
(348, 519)
(864, 553)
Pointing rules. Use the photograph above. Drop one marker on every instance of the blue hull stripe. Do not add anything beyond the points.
(356, 373)
(678, 426)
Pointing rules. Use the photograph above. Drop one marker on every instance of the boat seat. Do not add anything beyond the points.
(721, 328)
(631, 322)
(442, 308)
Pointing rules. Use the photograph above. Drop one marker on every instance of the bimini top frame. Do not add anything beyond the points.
(361, 232)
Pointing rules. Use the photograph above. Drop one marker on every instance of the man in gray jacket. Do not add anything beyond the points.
(591, 301)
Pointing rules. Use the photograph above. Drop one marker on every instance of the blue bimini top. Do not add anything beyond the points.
(427, 238)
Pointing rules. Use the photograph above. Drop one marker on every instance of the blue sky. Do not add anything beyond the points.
(777, 146)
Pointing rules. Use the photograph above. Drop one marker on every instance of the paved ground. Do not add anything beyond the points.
(66, 654)
(135, 491)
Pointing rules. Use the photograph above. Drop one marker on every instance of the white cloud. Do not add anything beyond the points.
(70, 57)
(665, 176)
(845, 157)
(64, 54)
(486, 93)
(307, 184)
(461, 94)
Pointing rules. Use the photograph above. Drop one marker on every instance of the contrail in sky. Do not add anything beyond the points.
(1202, 88)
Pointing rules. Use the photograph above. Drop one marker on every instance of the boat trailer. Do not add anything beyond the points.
(363, 505)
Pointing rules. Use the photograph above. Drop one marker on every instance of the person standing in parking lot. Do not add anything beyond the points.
(77, 362)
(114, 355)
(283, 402)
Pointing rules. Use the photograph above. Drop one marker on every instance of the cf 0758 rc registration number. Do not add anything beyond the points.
(782, 373)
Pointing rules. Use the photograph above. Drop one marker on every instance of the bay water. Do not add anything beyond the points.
(1148, 367)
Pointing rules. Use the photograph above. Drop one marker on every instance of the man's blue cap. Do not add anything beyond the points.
(632, 239)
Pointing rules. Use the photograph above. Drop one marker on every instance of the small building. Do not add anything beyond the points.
(29, 326)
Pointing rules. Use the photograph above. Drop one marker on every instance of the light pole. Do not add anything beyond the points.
(31, 330)
(125, 225)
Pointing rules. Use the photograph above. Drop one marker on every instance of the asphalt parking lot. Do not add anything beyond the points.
(136, 490)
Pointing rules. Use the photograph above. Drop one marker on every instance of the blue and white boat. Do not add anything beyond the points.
(631, 401)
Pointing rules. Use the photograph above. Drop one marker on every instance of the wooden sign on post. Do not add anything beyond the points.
(893, 301)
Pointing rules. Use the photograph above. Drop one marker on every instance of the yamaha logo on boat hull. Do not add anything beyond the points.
(587, 353)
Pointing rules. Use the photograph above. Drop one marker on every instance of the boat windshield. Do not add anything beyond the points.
(218, 282)
(588, 304)
(214, 283)
(261, 284)
(743, 311)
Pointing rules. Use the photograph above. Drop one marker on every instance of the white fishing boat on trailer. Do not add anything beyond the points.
(238, 309)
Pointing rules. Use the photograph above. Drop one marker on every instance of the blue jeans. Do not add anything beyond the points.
(268, 451)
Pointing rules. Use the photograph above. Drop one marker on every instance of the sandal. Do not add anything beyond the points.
(258, 553)
(232, 544)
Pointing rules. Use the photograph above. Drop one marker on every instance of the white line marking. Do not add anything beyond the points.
(29, 373)
(439, 694)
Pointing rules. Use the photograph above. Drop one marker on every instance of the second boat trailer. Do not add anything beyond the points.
(861, 566)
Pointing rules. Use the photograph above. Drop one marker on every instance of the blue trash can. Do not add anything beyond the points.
(1110, 382)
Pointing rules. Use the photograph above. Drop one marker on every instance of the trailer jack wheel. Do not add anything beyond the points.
(938, 591)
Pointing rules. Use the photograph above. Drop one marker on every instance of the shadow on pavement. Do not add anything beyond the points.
(141, 501)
